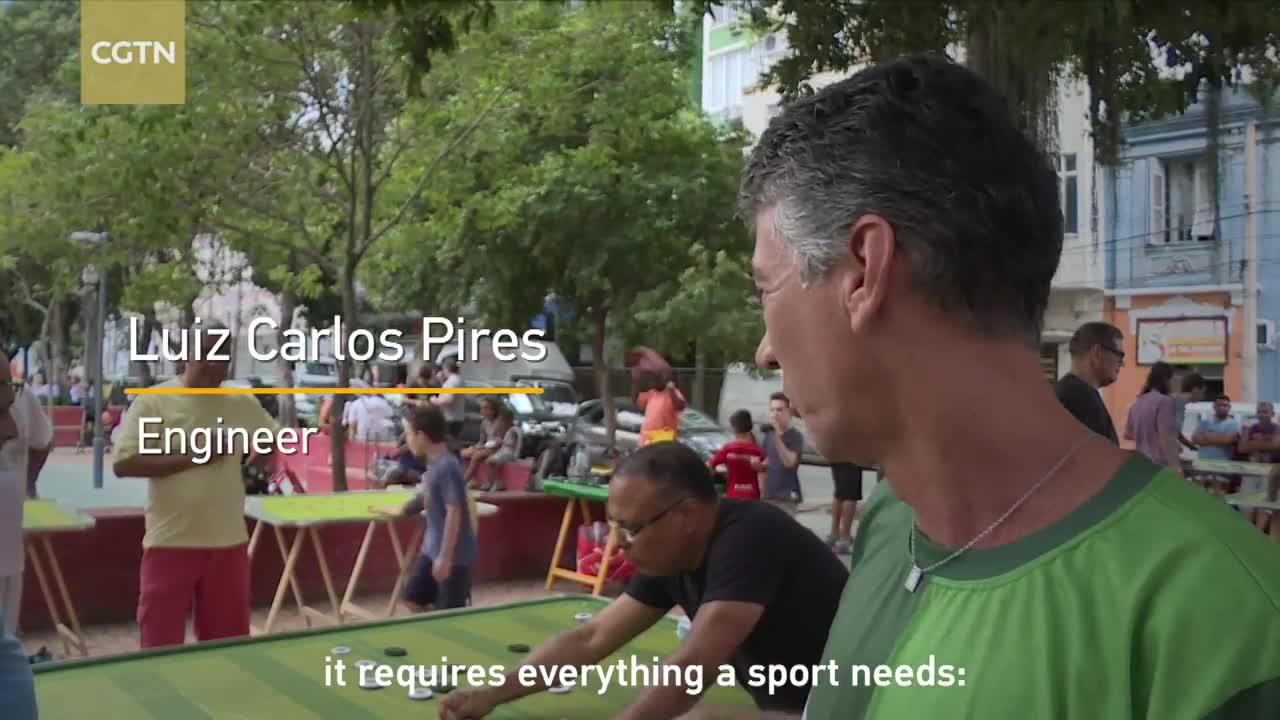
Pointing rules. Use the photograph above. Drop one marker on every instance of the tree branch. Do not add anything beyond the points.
(429, 171)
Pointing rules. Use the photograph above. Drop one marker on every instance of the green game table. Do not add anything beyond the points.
(307, 513)
(1231, 467)
(41, 520)
(282, 676)
(577, 496)
(1253, 500)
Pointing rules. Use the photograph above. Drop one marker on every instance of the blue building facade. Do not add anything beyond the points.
(1174, 272)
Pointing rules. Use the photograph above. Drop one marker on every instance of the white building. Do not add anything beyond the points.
(229, 297)
(733, 59)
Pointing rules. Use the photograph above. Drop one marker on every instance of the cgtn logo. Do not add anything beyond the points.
(128, 52)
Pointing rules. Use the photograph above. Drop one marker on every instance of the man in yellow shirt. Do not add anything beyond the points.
(195, 547)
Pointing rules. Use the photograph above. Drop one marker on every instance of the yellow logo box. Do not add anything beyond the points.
(133, 52)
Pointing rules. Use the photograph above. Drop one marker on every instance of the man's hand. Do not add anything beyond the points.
(441, 568)
(467, 705)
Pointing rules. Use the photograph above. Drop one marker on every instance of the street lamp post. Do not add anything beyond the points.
(100, 278)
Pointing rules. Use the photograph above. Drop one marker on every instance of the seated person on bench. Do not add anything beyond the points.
(508, 449)
(474, 455)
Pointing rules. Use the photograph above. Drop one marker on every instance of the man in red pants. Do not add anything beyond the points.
(195, 548)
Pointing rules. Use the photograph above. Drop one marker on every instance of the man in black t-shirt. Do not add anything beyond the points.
(1097, 354)
(760, 589)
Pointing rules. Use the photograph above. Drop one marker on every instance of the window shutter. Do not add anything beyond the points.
(1202, 223)
(1157, 223)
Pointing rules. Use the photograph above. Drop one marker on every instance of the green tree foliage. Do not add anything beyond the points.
(36, 38)
(1122, 50)
(596, 180)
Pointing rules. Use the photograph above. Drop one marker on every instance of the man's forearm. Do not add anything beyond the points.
(570, 648)
(414, 506)
(35, 463)
(790, 459)
(660, 703)
(152, 466)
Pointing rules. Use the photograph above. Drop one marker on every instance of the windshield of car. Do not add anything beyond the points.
(527, 404)
(557, 398)
(696, 421)
(320, 369)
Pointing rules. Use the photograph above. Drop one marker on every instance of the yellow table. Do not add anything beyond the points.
(307, 513)
(41, 520)
(576, 498)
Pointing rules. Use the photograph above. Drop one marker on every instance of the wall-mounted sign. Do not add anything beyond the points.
(1189, 341)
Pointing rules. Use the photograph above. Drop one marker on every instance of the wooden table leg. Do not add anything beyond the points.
(293, 578)
(324, 573)
(54, 613)
(565, 525)
(286, 578)
(253, 537)
(609, 546)
(405, 560)
(348, 606)
(77, 637)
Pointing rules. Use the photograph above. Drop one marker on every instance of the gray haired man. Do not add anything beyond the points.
(906, 237)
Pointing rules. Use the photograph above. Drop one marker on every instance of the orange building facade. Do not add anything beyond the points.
(1197, 331)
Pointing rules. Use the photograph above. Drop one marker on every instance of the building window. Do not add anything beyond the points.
(730, 74)
(1069, 192)
(1181, 201)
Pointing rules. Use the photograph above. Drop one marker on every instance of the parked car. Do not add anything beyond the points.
(697, 430)
(312, 375)
(270, 403)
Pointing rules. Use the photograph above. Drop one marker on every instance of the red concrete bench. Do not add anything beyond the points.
(516, 476)
(68, 424)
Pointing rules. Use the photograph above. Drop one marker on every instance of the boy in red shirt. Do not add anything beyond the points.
(742, 457)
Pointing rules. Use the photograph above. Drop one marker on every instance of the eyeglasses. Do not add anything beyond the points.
(629, 533)
(1118, 353)
(16, 385)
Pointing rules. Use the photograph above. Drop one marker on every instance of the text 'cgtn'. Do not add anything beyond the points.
(127, 52)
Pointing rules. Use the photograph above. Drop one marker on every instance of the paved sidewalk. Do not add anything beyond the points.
(68, 476)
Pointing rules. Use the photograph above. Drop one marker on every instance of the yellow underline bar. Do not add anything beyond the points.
(334, 391)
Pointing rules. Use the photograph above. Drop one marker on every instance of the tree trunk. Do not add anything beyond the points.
(44, 358)
(142, 368)
(337, 432)
(288, 410)
(55, 347)
(1015, 47)
(60, 340)
(600, 366)
(700, 374)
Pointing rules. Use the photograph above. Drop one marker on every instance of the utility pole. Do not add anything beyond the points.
(95, 239)
(1249, 381)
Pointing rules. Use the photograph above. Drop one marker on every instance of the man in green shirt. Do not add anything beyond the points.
(1015, 564)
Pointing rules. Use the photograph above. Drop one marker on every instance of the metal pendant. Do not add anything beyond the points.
(913, 578)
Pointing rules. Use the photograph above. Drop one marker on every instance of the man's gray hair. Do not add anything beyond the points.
(930, 147)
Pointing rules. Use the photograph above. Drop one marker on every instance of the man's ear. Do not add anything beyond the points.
(872, 245)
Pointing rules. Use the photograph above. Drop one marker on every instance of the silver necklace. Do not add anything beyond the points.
(917, 573)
